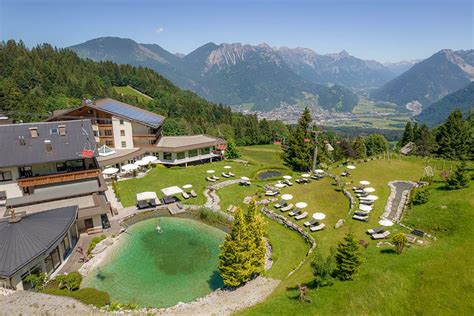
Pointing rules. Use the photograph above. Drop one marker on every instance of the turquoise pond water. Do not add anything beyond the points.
(155, 269)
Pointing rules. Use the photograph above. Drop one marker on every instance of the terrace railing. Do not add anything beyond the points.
(57, 178)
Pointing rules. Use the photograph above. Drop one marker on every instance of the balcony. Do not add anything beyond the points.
(59, 177)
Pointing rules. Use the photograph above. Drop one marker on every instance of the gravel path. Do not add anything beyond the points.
(397, 199)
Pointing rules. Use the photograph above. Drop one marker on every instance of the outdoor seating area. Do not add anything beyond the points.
(366, 201)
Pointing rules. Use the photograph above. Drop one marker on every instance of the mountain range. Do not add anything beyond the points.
(431, 79)
(261, 76)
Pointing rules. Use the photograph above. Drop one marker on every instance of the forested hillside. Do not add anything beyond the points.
(36, 81)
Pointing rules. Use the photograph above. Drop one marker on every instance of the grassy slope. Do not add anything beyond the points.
(421, 281)
(127, 90)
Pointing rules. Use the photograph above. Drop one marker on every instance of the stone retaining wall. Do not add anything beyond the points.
(289, 224)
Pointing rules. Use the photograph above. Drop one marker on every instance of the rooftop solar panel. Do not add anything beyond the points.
(133, 113)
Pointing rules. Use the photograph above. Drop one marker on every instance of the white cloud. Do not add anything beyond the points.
(159, 30)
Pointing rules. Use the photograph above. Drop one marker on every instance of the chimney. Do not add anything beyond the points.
(34, 132)
(62, 130)
(48, 146)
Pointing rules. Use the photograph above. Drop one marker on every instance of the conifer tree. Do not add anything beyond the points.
(360, 148)
(424, 141)
(231, 151)
(407, 135)
(236, 253)
(257, 231)
(348, 258)
(400, 241)
(459, 179)
(299, 153)
(453, 137)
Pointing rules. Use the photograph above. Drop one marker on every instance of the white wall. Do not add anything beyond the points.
(11, 187)
(117, 127)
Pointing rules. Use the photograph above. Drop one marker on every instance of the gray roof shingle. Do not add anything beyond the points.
(67, 147)
(24, 241)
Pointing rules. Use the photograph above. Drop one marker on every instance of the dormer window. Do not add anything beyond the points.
(62, 130)
(48, 146)
(54, 131)
(34, 132)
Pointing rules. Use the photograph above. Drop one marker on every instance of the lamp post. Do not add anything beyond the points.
(315, 153)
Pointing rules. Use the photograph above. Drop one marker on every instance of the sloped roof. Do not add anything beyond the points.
(66, 147)
(24, 241)
(180, 143)
(128, 111)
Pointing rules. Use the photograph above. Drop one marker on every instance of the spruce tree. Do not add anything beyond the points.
(360, 148)
(257, 231)
(299, 152)
(459, 178)
(231, 151)
(424, 141)
(453, 137)
(407, 135)
(348, 258)
(236, 253)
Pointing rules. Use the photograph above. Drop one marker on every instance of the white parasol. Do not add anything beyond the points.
(385, 222)
(306, 175)
(244, 178)
(351, 167)
(280, 185)
(187, 186)
(141, 163)
(227, 167)
(149, 159)
(319, 216)
(301, 205)
(210, 171)
(319, 171)
(371, 197)
(129, 167)
(287, 177)
(365, 208)
(364, 182)
(369, 190)
(109, 171)
(286, 197)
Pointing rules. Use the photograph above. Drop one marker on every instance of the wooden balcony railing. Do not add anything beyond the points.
(144, 136)
(61, 177)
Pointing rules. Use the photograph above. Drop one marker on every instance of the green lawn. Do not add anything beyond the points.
(127, 90)
(161, 177)
(420, 281)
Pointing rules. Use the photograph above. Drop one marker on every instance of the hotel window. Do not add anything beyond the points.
(181, 155)
(109, 143)
(167, 156)
(121, 122)
(52, 261)
(108, 132)
(193, 153)
(122, 132)
(60, 167)
(124, 144)
(206, 150)
(5, 176)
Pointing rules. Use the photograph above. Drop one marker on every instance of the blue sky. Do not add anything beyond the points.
(385, 30)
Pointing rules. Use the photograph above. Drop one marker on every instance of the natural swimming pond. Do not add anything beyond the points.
(269, 174)
(156, 269)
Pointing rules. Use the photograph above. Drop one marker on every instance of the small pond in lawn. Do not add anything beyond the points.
(269, 174)
(160, 269)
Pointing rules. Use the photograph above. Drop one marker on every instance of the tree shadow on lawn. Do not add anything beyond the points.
(388, 251)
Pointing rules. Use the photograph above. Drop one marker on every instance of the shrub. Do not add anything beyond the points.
(88, 296)
(421, 196)
(70, 281)
(94, 243)
(208, 216)
(37, 280)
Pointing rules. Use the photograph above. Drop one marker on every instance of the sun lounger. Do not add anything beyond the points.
(142, 204)
(215, 178)
(185, 195)
(376, 230)
(295, 212)
(301, 216)
(210, 179)
(225, 175)
(231, 208)
(271, 193)
(288, 182)
(287, 208)
(244, 183)
(155, 202)
(311, 223)
(193, 193)
(231, 174)
(361, 218)
(383, 235)
(299, 181)
(366, 202)
(315, 177)
(361, 213)
(280, 204)
(317, 228)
